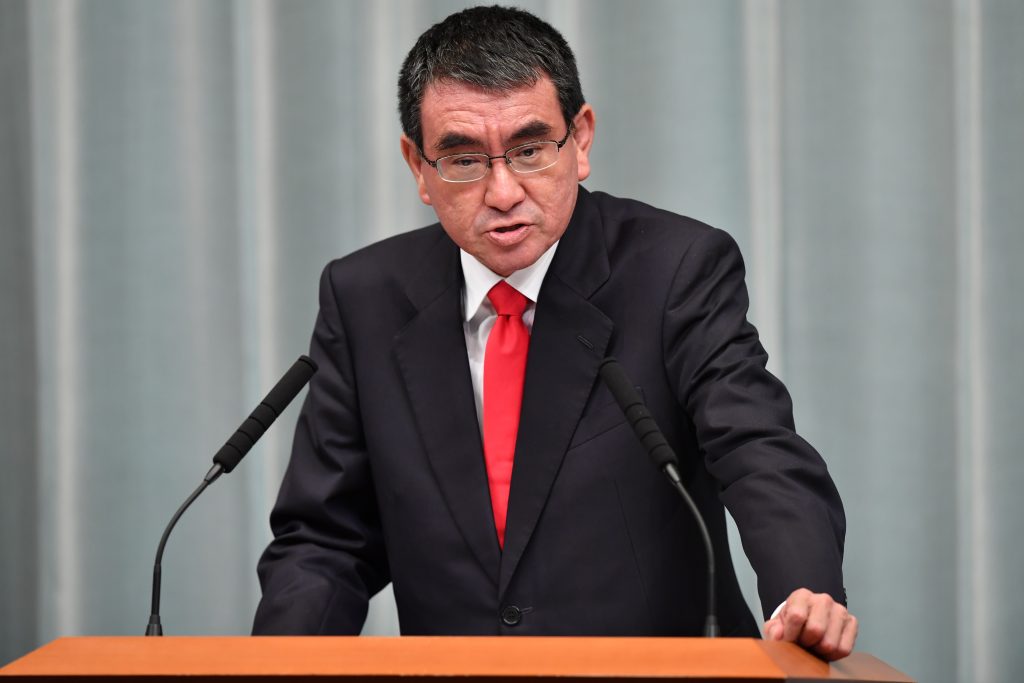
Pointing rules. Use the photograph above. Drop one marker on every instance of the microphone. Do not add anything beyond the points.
(230, 454)
(650, 436)
(246, 436)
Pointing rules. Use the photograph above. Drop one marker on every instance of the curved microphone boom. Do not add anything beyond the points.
(650, 436)
(230, 454)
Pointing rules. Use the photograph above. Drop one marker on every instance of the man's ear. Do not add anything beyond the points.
(411, 153)
(583, 134)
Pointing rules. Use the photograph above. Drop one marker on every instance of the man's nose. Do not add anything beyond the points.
(504, 187)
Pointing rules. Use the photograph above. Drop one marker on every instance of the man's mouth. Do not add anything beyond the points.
(510, 228)
(509, 235)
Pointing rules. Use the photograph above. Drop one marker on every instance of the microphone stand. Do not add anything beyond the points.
(154, 628)
(650, 436)
(228, 457)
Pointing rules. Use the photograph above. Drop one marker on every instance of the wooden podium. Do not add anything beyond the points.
(407, 659)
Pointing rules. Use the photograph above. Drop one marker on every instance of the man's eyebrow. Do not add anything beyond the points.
(532, 131)
(453, 140)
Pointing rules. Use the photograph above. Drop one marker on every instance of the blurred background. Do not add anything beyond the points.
(174, 175)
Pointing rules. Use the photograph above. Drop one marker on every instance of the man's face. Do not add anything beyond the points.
(506, 220)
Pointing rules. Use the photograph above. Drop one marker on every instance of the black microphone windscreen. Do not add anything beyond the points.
(639, 417)
(290, 385)
(246, 436)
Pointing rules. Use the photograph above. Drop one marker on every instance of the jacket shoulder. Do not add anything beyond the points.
(629, 225)
(392, 259)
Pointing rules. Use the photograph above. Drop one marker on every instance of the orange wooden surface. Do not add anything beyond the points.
(440, 657)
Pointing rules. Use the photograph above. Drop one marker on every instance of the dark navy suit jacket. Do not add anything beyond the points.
(387, 480)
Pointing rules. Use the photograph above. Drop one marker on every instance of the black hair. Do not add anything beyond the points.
(495, 48)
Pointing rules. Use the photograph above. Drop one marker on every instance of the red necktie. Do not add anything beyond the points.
(504, 371)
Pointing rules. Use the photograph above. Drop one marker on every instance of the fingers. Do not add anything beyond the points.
(773, 629)
(796, 616)
(816, 622)
(847, 639)
(839, 638)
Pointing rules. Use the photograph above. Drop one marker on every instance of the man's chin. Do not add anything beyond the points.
(505, 264)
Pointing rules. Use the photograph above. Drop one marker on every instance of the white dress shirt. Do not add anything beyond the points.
(479, 314)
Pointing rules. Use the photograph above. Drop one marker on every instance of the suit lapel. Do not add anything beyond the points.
(431, 352)
(560, 373)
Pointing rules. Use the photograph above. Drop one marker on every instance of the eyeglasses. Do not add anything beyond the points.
(528, 158)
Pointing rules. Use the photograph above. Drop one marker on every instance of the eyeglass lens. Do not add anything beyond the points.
(528, 158)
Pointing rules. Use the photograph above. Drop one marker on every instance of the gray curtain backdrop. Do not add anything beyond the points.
(174, 175)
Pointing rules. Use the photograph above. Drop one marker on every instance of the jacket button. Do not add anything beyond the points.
(511, 615)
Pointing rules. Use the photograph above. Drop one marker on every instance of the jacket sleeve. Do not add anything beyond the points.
(775, 485)
(327, 557)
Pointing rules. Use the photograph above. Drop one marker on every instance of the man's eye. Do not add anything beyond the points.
(465, 162)
(528, 152)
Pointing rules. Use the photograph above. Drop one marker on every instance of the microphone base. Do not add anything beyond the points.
(154, 628)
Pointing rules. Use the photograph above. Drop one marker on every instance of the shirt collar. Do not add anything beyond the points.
(479, 279)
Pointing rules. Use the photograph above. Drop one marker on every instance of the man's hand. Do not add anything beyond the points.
(816, 622)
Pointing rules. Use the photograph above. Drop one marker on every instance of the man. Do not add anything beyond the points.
(457, 440)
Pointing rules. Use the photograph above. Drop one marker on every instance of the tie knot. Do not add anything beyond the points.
(506, 299)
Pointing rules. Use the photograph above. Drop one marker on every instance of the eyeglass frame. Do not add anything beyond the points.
(504, 155)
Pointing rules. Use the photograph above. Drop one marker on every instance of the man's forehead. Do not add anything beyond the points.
(452, 110)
